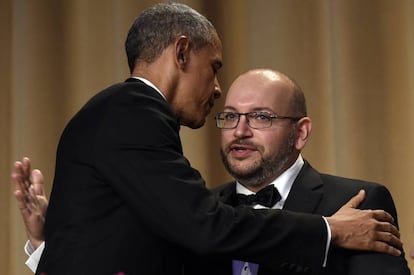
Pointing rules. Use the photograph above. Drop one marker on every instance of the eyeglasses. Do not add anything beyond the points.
(255, 120)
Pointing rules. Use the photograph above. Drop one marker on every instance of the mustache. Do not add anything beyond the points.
(240, 142)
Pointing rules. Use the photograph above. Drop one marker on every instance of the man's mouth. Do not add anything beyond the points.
(241, 151)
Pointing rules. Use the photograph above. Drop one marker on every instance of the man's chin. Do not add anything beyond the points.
(194, 124)
(241, 171)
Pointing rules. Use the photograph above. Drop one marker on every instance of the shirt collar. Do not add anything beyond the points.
(149, 83)
(283, 183)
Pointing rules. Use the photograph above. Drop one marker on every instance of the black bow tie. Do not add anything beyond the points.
(268, 197)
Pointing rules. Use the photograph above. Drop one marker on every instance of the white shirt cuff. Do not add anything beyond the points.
(328, 241)
(34, 255)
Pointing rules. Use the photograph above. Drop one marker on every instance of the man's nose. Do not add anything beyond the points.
(243, 129)
(217, 89)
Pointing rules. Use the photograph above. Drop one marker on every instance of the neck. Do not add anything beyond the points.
(161, 72)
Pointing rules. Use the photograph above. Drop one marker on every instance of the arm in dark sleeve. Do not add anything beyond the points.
(139, 153)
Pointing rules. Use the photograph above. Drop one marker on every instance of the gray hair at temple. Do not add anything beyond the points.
(159, 26)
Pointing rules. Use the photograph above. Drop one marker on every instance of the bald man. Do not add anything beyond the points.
(264, 127)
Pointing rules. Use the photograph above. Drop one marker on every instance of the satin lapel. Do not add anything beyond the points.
(306, 192)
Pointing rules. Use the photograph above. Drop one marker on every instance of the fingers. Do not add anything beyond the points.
(385, 248)
(381, 215)
(26, 166)
(387, 233)
(17, 177)
(356, 200)
(24, 208)
(24, 192)
(387, 239)
(21, 174)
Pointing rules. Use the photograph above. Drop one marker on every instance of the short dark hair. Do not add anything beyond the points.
(157, 27)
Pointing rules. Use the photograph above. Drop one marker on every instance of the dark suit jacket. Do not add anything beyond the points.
(323, 194)
(125, 199)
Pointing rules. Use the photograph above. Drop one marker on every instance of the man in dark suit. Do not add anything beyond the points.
(125, 199)
(301, 188)
(264, 128)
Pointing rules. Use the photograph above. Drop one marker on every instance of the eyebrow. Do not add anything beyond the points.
(257, 109)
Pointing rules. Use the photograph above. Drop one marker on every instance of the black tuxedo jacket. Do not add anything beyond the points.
(323, 194)
(124, 199)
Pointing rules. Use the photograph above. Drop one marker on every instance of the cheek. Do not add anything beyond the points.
(278, 143)
(209, 80)
(203, 91)
(269, 144)
(226, 138)
(204, 96)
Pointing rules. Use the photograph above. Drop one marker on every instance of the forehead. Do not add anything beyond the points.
(252, 92)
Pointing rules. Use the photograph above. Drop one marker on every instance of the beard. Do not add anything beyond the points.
(265, 169)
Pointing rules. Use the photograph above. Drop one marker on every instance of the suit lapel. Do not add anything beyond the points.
(306, 192)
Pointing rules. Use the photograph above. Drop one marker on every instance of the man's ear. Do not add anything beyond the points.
(182, 50)
(303, 130)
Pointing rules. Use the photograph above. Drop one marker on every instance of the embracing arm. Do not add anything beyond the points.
(364, 234)
(29, 192)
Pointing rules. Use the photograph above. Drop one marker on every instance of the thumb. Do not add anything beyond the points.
(38, 182)
(356, 200)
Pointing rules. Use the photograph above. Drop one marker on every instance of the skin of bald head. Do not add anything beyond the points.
(255, 157)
